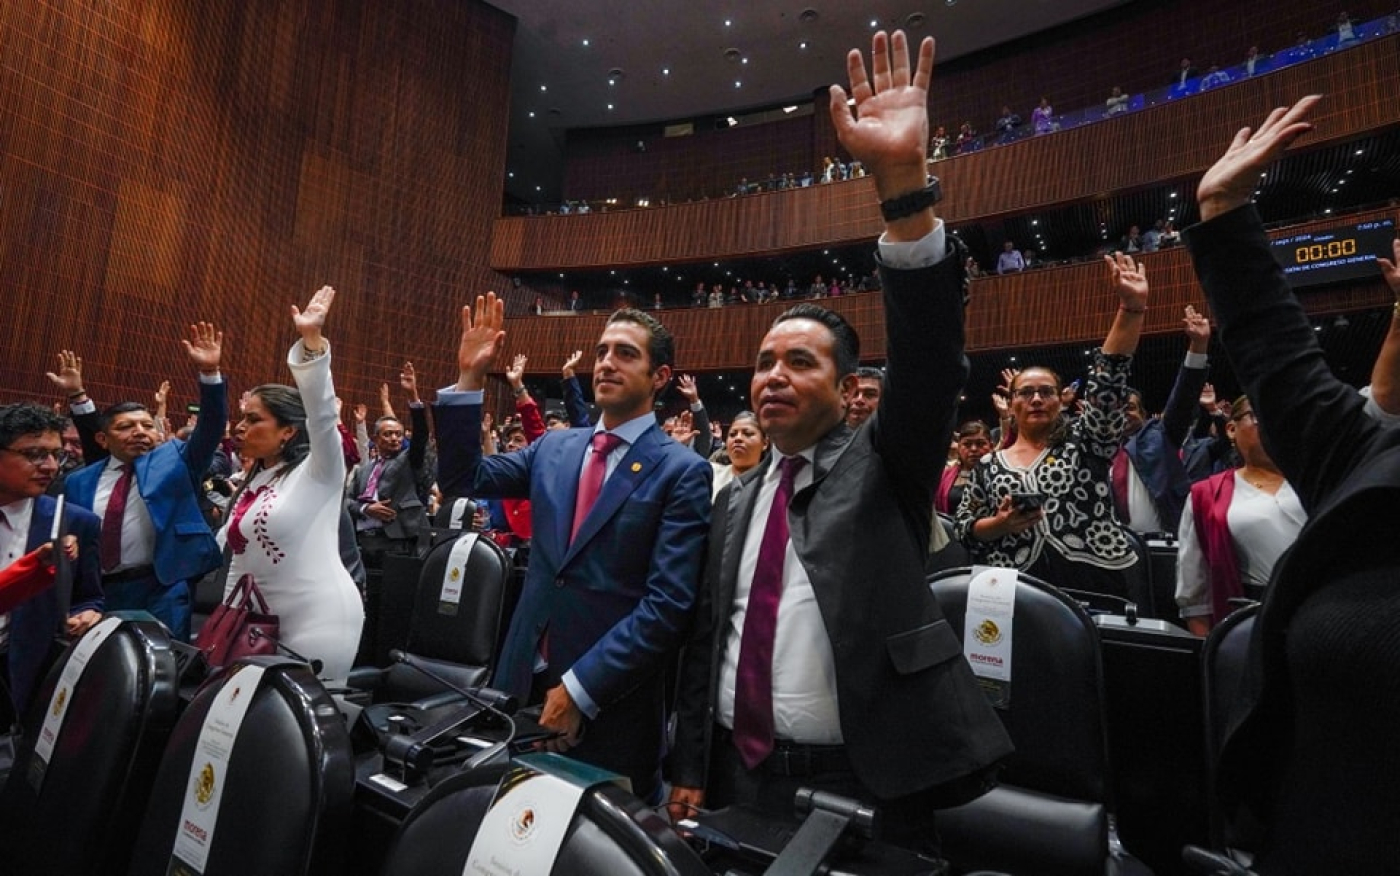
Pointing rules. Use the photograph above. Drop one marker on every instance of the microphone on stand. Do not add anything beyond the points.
(498, 703)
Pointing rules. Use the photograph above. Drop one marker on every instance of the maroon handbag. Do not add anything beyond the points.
(241, 626)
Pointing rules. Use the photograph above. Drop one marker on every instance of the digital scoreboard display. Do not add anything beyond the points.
(1333, 255)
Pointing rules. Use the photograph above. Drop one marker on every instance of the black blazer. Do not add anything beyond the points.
(1344, 465)
(912, 715)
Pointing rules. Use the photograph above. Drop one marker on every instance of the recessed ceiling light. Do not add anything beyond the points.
(790, 109)
(727, 22)
(1172, 195)
(738, 84)
(802, 45)
(544, 88)
(744, 61)
(511, 174)
(874, 22)
(610, 106)
(1360, 151)
(665, 71)
(585, 41)
(537, 188)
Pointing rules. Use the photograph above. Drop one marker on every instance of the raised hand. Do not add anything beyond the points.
(1207, 399)
(686, 385)
(571, 364)
(360, 413)
(889, 131)
(69, 379)
(1231, 181)
(1389, 270)
(1129, 281)
(480, 342)
(204, 347)
(408, 379)
(515, 374)
(162, 395)
(1197, 329)
(310, 321)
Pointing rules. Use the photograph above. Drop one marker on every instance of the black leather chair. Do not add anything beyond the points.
(1161, 557)
(458, 641)
(612, 834)
(1051, 815)
(80, 817)
(287, 793)
(1224, 658)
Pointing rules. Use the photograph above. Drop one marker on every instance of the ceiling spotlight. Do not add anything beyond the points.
(585, 41)
(665, 71)
(738, 84)
(532, 114)
(951, 2)
(727, 22)
(790, 109)
(610, 106)
(732, 122)
(802, 45)
(744, 61)
(874, 22)
(544, 88)
(511, 174)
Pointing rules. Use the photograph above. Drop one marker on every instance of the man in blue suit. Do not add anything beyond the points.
(612, 582)
(154, 539)
(1149, 479)
(30, 454)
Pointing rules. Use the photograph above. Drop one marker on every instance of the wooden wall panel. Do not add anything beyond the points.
(165, 162)
(1167, 142)
(1065, 305)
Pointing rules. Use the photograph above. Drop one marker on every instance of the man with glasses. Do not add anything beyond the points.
(154, 539)
(31, 452)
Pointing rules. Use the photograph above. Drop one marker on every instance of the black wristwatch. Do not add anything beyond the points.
(907, 205)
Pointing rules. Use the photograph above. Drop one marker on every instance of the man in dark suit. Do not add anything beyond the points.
(619, 519)
(819, 656)
(30, 449)
(1149, 479)
(154, 539)
(385, 498)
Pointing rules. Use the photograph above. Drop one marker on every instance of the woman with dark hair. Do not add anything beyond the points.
(1043, 504)
(1234, 528)
(745, 445)
(284, 528)
(974, 441)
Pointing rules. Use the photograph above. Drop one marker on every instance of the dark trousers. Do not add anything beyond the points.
(907, 822)
(170, 605)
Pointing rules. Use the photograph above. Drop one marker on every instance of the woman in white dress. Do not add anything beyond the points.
(284, 526)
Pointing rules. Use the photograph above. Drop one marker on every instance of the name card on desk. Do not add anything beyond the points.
(987, 630)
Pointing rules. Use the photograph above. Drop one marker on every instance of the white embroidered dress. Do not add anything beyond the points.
(288, 538)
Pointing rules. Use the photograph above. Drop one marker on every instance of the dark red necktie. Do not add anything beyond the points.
(110, 547)
(753, 681)
(590, 484)
(1118, 480)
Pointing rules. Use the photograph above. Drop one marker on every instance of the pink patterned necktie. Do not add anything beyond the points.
(753, 681)
(590, 484)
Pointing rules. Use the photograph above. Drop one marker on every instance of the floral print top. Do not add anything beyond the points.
(1072, 474)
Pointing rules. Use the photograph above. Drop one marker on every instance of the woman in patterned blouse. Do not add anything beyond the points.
(1061, 527)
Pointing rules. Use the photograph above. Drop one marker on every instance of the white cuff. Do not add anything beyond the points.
(925, 252)
(580, 696)
(450, 395)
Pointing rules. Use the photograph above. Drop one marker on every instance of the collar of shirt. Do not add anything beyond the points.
(631, 430)
(14, 532)
(113, 463)
(804, 476)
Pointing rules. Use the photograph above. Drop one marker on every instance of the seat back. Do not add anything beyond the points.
(953, 555)
(1224, 658)
(467, 630)
(286, 792)
(98, 776)
(1050, 814)
(1138, 578)
(612, 834)
(1161, 559)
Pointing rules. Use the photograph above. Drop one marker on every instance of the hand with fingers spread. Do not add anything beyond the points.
(162, 396)
(685, 384)
(1390, 269)
(310, 321)
(480, 342)
(888, 132)
(205, 347)
(1129, 280)
(1197, 329)
(571, 364)
(1231, 182)
(1207, 399)
(69, 377)
(515, 374)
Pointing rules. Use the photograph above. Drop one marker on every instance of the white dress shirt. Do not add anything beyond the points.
(138, 532)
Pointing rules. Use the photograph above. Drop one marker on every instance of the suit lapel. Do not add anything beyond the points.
(572, 447)
(638, 465)
(743, 492)
(40, 522)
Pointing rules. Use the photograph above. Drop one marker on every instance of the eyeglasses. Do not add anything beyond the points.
(1026, 393)
(37, 455)
(1253, 416)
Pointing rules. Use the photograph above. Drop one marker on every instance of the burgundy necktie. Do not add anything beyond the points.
(110, 547)
(753, 681)
(590, 484)
(1118, 480)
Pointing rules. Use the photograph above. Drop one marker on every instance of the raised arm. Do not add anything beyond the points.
(574, 407)
(309, 361)
(205, 347)
(700, 418)
(1129, 281)
(69, 381)
(1180, 412)
(1385, 374)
